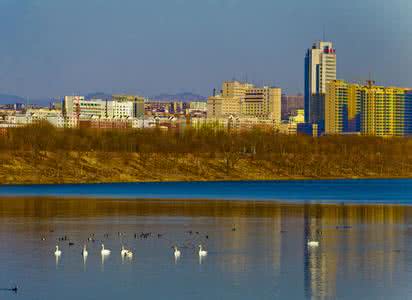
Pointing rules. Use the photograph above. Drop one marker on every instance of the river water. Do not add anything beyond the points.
(256, 249)
(314, 191)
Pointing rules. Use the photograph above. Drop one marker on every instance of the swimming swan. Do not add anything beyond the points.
(57, 252)
(124, 251)
(84, 251)
(201, 251)
(177, 252)
(105, 251)
(313, 243)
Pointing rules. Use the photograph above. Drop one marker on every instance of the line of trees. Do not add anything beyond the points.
(44, 137)
(293, 152)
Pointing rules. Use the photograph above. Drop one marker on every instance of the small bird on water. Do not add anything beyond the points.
(13, 289)
(58, 252)
(84, 251)
(177, 252)
(313, 244)
(201, 251)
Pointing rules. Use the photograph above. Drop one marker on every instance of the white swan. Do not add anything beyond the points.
(105, 252)
(313, 244)
(124, 251)
(177, 252)
(201, 251)
(57, 252)
(84, 251)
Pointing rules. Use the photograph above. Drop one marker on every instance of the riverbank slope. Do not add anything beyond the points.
(41, 153)
(99, 167)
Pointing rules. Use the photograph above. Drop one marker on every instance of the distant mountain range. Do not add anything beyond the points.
(185, 97)
(99, 95)
(11, 99)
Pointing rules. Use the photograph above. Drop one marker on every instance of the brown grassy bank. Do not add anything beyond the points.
(43, 154)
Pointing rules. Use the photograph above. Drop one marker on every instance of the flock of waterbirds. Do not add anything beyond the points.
(124, 252)
(128, 253)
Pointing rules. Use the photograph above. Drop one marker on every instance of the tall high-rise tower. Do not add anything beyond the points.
(320, 69)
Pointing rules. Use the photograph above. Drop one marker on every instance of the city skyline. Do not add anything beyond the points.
(125, 55)
(229, 149)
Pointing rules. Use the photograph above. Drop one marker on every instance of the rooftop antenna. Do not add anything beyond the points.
(324, 33)
(370, 82)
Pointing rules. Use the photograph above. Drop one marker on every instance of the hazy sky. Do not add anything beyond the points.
(58, 47)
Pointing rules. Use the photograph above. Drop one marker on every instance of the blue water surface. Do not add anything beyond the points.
(398, 191)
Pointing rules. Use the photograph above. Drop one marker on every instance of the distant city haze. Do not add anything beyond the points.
(53, 48)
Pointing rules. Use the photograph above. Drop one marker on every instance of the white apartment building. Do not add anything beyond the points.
(320, 69)
(79, 107)
(198, 105)
(120, 109)
(54, 117)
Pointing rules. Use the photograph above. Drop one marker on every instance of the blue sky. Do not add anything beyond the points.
(57, 47)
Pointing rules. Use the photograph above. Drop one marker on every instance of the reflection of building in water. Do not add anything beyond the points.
(319, 269)
(251, 236)
(377, 244)
(277, 242)
(355, 239)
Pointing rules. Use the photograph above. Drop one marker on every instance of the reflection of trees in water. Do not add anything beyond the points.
(354, 238)
(256, 232)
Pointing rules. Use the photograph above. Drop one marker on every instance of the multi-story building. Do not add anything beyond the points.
(235, 88)
(138, 103)
(176, 107)
(320, 69)
(291, 126)
(369, 109)
(71, 105)
(79, 106)
(386, 111)
(196, 109)
(298, 118)
(157, 106)
(120, 109)
(246, 100)
(220, 106)
(198, 105)
(77, 109)
(342, 107)
(127, 98)
(264, 103)
(291, 104)
(31, 116)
